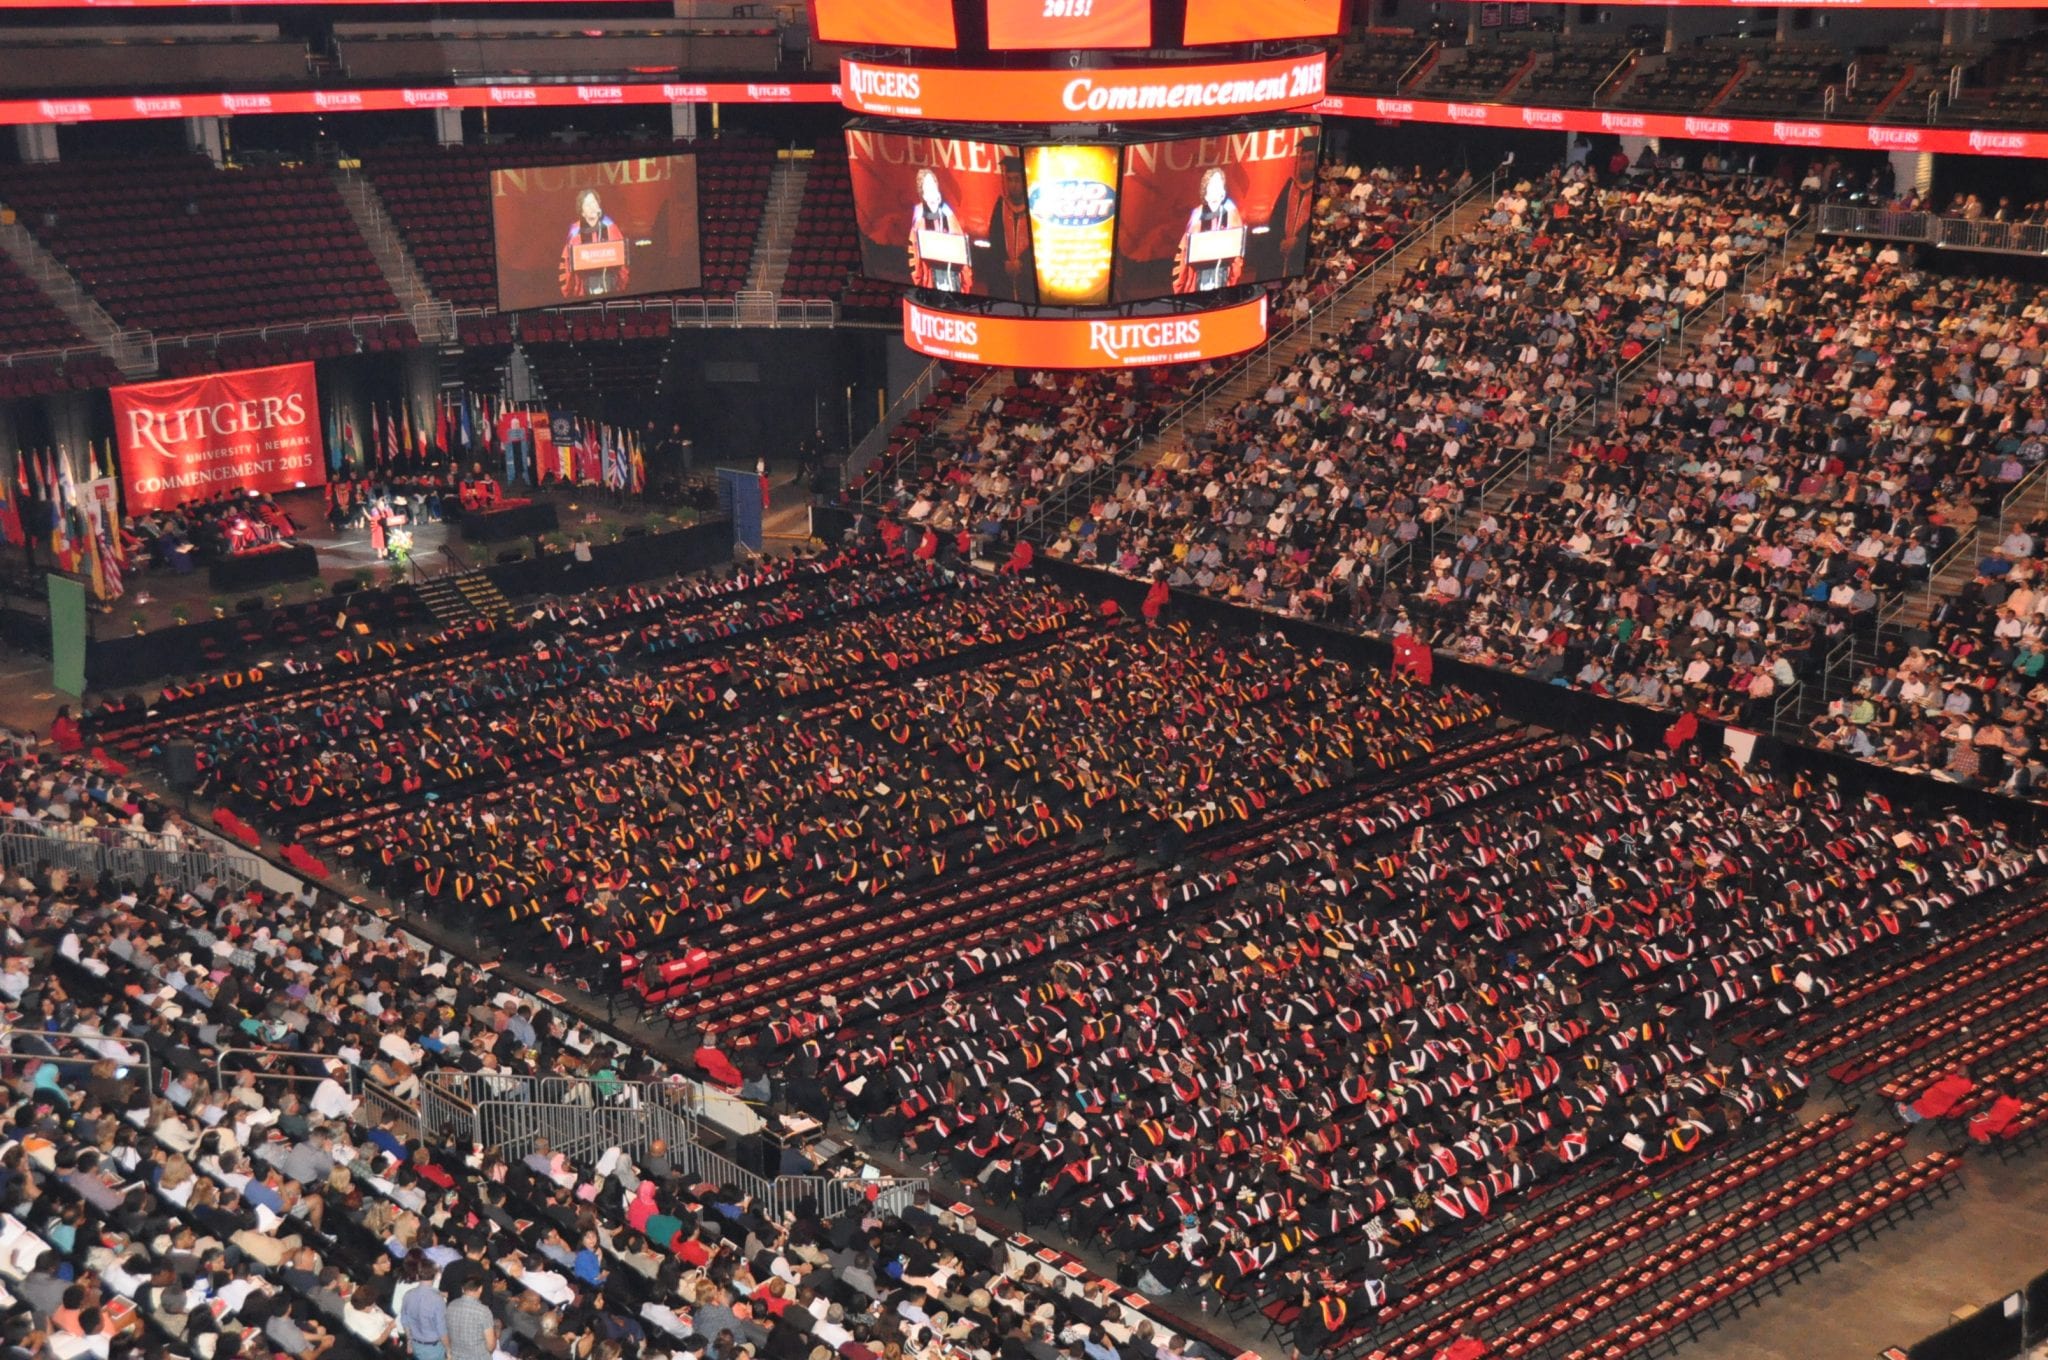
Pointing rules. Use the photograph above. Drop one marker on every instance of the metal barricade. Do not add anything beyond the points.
(579, 1116)
(835, 1195)
(67, 1049)
(111, 850)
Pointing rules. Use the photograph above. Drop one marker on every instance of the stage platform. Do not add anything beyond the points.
(267, 566)
(512, 521)
(157, 596)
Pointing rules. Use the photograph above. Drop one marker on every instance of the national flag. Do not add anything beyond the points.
(63, 542)
(613, 458)
(638, 476)
(442, 428)
(465, 428)
(103, 538)
(10, 508)
(390, 454)
(405, 443)
(352, 453)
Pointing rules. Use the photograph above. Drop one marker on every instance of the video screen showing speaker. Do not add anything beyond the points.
(1239, 21)
(885, 23)
(945, 213)
(1074, 204)
(1203, 213)
(1056, 25)
(568, 234)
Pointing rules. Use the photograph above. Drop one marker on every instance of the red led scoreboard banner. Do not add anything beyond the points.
(187, 439)
(1084, 342)
(1216, 89)
(114, 110)
(1767, 131)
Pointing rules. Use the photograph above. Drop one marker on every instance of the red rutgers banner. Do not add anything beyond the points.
(186, 439)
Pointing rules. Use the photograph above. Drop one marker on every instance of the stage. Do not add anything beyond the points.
(295, 561)
(158, 597)
(511, 521)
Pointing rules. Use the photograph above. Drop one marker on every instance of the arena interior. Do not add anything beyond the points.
(1023, 680)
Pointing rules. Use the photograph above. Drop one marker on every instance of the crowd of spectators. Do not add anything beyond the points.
(1968, 703)
(212, 1151)
(1370, 446)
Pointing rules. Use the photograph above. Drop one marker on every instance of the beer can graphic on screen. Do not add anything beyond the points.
(1073, 192)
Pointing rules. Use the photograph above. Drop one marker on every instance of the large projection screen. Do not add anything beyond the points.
(566, 235)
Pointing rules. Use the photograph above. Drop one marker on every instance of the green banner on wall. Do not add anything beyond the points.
(67, 635)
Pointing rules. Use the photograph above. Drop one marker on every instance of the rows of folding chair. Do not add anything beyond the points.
(1765, 1271)
(1702, 1246)
(1579, 1255)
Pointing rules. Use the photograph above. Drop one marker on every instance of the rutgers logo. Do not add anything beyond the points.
(337, 99)
(1894, 139)
(64, 110)
(1111, 339)
(246, 103)
(869, 84)
(1466, 113)
(939, 329)
(1394, 108)
(426, 99)
(1623, 122)
(158, 108)
(767, 91)
(514, 94)
(1708, 127)
(1795, 132)
(600, 94)
(1552, 118)
(1998, 141)
(686, 94)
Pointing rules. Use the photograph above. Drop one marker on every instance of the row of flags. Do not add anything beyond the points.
(79, 521)
(535, 444)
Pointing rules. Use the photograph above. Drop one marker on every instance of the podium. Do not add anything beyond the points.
(1209, 247)
(589, 257)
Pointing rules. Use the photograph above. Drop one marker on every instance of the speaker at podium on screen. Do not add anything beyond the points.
(938, 241)
(594, 261)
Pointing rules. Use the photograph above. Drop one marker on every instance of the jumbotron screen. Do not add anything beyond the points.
(945, 213)
(885, 23)
(1054, 25)
(1238, 21)
(1203, 213)
(566, 234)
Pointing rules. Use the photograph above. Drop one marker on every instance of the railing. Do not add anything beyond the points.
(385, 1108)
(60, 1047)
(1924, 228)
(83, 852)
(223, 1074)
(875, 440)
(2018, 492)
(700, 313)
(433, 322)
(60, 357)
